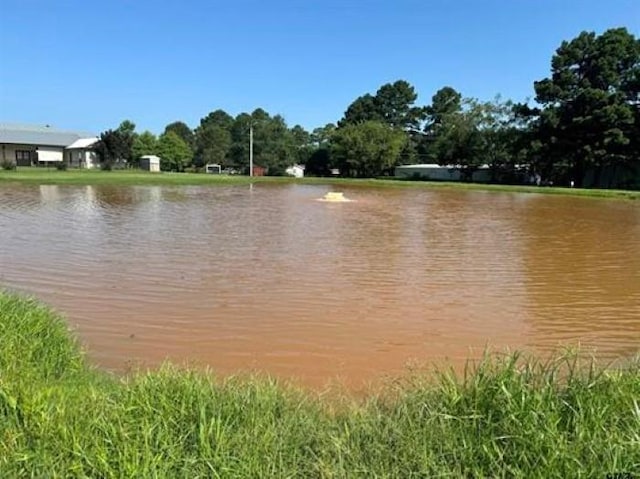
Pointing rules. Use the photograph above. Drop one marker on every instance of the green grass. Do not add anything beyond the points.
(510, 417)
(116, 177)
(137, 177)
(583, 192)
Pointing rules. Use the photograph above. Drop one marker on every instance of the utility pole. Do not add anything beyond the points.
(251, 149)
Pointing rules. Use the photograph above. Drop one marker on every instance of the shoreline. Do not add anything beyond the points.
(510, 415)
(41, 176)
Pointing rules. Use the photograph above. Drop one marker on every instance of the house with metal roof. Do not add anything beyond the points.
(82, 154)
(436, 172)
(33, 145)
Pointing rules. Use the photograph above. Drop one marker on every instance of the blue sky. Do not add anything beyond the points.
(88, 65)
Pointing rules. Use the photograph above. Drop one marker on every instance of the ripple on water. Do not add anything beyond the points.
(269, 278)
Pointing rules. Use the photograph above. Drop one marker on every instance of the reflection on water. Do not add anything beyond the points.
(269, 278)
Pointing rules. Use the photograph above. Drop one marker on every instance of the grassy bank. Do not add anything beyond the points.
(509, 418)
(43, 176)
(135, 177)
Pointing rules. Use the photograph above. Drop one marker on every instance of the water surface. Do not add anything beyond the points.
(267, 278)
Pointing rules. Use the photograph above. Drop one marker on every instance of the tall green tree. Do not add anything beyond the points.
(319, 161)
(367, 149)
(213, 139)
(445, 103)
(239, 151)
(174, 152)
(458, 140)
(145, 143)
(393, 104)
(127, 130)
(502, 145)
(213, 145)
(465, 134)
(396, 105)
(115, 146)
(444, 112)
(274, 144)
(588, 118)
(301, 144)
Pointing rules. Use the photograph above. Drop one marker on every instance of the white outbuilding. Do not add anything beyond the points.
(435, 172)
(213, 169)
(150, 163)
(296, 171)
(81, 153)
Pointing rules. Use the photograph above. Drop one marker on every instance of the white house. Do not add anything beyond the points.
(33, 145)
(81, 153)
(295, 170)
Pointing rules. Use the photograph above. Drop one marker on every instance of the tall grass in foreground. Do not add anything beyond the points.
(509, 417)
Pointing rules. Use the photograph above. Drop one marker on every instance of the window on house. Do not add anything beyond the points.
(23, 157)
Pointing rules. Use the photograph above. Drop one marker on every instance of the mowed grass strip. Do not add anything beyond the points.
(508, 416)
(44, 176)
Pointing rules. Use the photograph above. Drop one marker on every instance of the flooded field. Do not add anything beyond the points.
(268, 278)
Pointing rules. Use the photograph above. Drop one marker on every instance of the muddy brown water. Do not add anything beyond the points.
(266, 278)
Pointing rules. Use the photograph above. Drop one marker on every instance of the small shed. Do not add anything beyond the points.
(259, 170)
(150, 163)
(213, 169)
(296, 171)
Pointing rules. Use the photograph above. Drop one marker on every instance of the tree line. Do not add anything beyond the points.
(583, 127)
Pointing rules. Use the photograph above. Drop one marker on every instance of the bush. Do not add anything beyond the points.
(276, 171)
(61, 166)
(8, 165)
(36, 343)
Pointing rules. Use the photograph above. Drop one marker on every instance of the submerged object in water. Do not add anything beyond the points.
(335, 197)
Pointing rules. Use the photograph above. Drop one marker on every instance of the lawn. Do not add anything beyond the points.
(137, 177)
